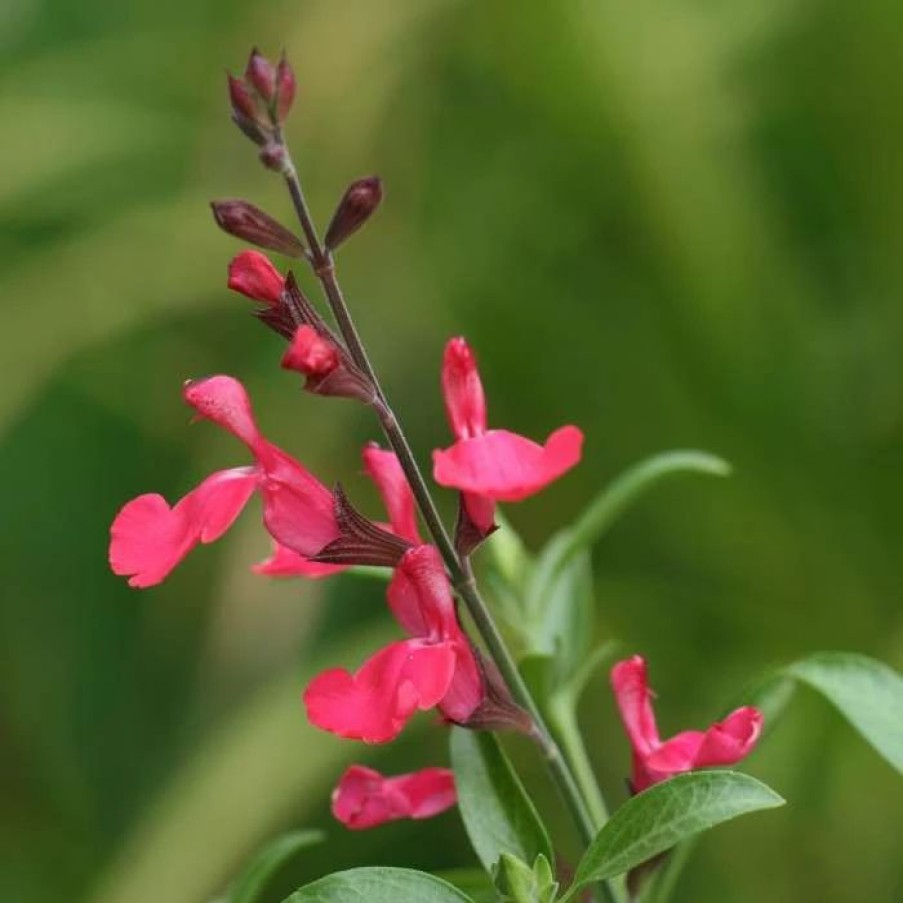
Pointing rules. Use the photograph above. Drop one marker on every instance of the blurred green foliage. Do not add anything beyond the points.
(672, 223)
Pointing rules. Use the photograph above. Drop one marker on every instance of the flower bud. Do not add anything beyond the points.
(253, 275)
(251, 224)
(328, 368)
(516, 882)
(360, 200)
(241, 99)
(261, 74)
(310, 354)
(285, 88)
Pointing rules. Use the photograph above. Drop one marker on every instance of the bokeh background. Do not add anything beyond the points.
(675, 224)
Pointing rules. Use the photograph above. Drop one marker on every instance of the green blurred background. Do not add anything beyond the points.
(675, 224)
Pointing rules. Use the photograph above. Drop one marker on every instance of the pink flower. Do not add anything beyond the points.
(492, 465)
(252, 274)
(436, 667)
(148, 538)
(724, 743)
(364, 798)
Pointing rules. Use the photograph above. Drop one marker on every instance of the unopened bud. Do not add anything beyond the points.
(516, 882)
(357, 205)
(251, 224)
(250, 128)
(285, 88)
(310, 354)
(241, 99)
(253, 275)
(327, 366)
(261, 74)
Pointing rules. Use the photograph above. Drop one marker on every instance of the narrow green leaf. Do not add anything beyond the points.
(498, 814)
(667, 813)
(379, 885)
(868, 693)
(253, 881)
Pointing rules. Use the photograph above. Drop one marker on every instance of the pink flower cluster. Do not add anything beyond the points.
(435, 666)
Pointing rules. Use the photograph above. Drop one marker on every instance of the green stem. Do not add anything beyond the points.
(563, 721)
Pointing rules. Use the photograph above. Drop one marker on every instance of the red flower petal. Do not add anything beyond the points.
(364, 798)
(676, 755)
(385, 470)
(298, 509)
(465, 402)
(309, 353)
(505, 466)
(286, 563)
(252, 274)
(730, 740)
(148, 538)
(466, 691)
(634, 698)
(420, 597)
(374, 703)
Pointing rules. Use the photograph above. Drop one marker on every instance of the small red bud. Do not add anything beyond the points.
(251, 224)
(241, 99)
(310, 354)
(253, 275)
(261, 74)
(285, 88)
(358, 204)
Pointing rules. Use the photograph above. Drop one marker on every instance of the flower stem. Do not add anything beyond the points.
(458, 566)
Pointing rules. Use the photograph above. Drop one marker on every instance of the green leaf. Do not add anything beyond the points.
(498, 814)
(868, 693)
(253, 881)
(379, 885)
(667, 813)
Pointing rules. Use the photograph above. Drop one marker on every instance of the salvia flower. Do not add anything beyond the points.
(436, 667)
(364, 798)
(724, 743)
(492, 465)
(148, 538)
